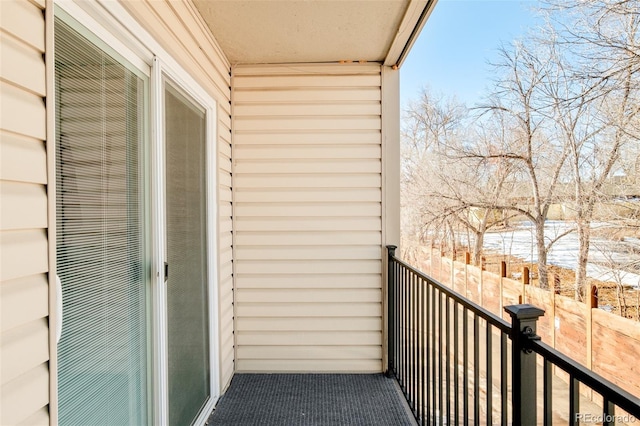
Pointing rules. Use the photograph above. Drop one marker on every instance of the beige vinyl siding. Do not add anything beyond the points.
(179, 29)
(308, 217)
(225, 253)
(24, 286)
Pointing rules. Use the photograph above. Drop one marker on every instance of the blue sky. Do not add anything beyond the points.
(460, 37)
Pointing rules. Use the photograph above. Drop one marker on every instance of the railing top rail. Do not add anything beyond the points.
(491, 318)
(602, 386)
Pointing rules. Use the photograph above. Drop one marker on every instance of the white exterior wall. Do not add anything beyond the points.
(180, 31)
(24, 264)
(307, 168)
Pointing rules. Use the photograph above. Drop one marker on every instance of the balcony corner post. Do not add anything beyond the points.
(523, 328)
(391, 311)
(392, 250)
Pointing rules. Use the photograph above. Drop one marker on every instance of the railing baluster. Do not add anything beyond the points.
(398, 321)
(465, 365)
(476, 369)
(401, 325)
(574, 400)
(489, 375)
(423, 386)
(548, 392)
(414, 369)
(398, 331)
(448, 358)
(399, 334)
(434, 378)
(406, 334)
(428, 348)
(440, 362)
(503, 378)
(456, 370)
(391, 265)
(608, 411)
(409, 337)
(410, 342)
(396, 313)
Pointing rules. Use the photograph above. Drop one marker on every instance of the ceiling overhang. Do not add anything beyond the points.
(315, 31)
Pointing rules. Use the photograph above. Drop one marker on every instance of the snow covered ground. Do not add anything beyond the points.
(520, 242)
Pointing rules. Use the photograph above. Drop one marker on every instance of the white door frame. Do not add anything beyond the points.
(111, 23)
(160, 71)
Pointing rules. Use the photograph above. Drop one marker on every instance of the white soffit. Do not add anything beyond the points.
(302, 31)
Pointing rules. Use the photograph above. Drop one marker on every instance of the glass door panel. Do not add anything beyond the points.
(100, 243)
(187, 295)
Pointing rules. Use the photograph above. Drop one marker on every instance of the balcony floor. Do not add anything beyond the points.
(312, 399)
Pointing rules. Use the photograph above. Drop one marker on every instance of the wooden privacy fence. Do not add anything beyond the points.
(603, 342)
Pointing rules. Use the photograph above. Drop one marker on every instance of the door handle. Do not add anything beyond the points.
(59, 309)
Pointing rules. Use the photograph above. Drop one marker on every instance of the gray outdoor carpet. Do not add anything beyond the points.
(311, 399)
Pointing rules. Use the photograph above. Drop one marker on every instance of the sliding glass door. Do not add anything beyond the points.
(138, 341)
(102, 257)
(188, 357)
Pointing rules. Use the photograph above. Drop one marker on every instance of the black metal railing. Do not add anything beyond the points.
(458, 363)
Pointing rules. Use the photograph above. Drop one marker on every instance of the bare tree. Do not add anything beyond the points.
(576, 126)
(595, 100)
(480, 185)
(429, 124)
(445, 190)
(537, 159)
(560, 126)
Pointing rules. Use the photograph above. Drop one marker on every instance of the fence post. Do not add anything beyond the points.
(391, 310)
(594, 297)
(523, 377)
(440, 277)
(467, 261)
(592, 303)
(431, 257)
(525, 283)
(452, 276)
(555, 322)
(503, 273)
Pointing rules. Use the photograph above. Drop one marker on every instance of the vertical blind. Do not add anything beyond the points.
(102, 354)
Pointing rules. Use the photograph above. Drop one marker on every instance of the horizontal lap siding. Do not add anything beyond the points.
(307, 217)
(24, 285)
(177, 26)
(225, 255)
